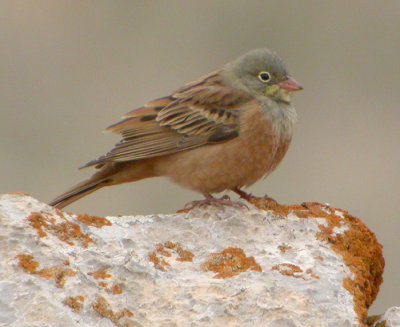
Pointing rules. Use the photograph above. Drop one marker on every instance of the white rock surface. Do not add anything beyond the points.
(135, 271)
(391, 318)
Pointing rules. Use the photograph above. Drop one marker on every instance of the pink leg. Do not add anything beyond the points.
(210, 200)
(249, 196)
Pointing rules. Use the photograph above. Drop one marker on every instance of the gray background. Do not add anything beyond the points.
(69, 69)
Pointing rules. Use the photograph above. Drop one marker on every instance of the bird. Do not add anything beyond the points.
(222, 131)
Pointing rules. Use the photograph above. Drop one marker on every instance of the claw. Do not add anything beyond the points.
(248, 196)
(210, 200)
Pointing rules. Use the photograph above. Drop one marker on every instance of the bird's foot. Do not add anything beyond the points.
(243, 194)
(218, 202)
(248, 196)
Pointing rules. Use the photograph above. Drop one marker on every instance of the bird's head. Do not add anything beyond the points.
(262, 72)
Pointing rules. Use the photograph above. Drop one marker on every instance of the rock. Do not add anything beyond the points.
(268, 265)
(391, 318)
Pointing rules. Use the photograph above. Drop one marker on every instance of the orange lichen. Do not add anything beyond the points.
(230, 262)
(103, 308)
(283, 248)
(27, 263)
(159, 264)
(304, 210)
(102, 284)
(357, 245)
(311, 273)
(160, 249)
(57, 273)
(288, 269)
(163, 249)
(184, 255)
(363, 255)
(75, 303)
(115, 289)
(100, 274)
(66, 230)
(38, 222)
(372, 321)
(103, 274)
(98, 222)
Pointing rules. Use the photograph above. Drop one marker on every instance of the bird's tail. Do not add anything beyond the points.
(79, 191)
(111, 173)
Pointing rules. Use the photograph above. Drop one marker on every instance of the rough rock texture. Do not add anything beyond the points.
(269, 265)
(390, 318)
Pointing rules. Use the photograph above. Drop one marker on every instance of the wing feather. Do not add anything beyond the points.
(202, 112)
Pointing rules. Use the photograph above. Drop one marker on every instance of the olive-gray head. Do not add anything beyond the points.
(261, 72)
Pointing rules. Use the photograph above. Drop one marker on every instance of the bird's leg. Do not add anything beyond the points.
(249, 196)
(242, 194)
(210, 200)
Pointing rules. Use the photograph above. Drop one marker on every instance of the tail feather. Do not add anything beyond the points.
(110, 173)
(78, 191)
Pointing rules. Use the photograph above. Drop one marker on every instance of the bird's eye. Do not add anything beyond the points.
(264, 77)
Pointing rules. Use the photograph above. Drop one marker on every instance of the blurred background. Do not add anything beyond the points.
(68, 69)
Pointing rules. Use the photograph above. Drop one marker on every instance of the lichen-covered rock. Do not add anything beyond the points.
(269, 265)
(391, 318)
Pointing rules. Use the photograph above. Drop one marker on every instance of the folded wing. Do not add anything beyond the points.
(202, 112)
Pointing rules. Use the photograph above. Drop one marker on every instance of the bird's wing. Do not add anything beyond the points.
(203, 112)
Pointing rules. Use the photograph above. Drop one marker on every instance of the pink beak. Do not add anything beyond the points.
(290, 85)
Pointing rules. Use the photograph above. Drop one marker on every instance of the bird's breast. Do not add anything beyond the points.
(262, 142)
